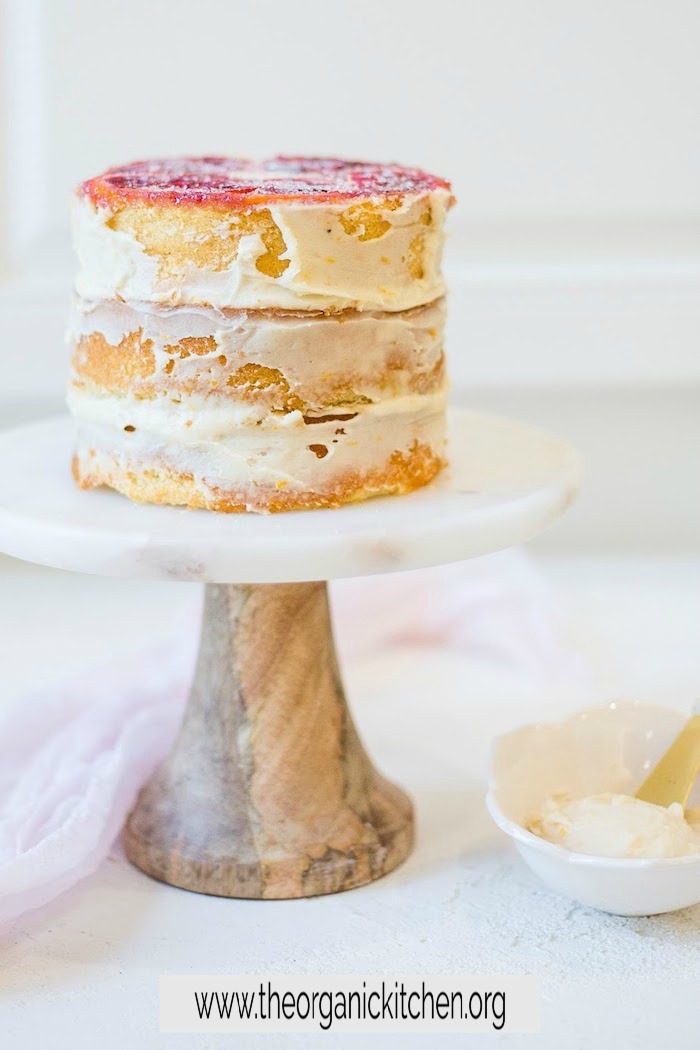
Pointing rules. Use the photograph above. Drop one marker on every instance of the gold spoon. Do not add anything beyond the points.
(672, 778)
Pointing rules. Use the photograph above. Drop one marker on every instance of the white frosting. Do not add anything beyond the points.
(329, 268)
(196, 419)
(611, 825)
(376, 355)
(232, 446)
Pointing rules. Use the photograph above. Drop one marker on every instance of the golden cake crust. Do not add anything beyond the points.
(403, 472)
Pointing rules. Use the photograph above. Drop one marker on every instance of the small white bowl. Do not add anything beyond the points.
(608, 748)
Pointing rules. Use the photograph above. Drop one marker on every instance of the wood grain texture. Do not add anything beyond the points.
(268, 792)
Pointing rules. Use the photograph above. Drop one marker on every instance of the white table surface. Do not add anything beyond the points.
(83, 972)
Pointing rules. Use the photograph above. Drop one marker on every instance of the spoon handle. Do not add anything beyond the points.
(672, 778)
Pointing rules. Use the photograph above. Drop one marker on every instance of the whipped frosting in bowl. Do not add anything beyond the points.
(570, 775)
(615, 825)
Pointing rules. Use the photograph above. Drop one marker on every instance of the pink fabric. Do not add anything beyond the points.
(73, 757)
(498, 609)
(71, 763)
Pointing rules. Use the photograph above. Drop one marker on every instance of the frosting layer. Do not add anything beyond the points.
(372, 254)
(277, 360)
(232, 455)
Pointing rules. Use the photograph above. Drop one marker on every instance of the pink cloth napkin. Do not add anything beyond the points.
(499, 609)
(73, 757)
(72, 760)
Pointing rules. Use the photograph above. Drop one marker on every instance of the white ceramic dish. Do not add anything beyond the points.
(608, 748)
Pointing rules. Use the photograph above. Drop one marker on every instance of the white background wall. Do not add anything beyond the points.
(536, 108)
(569, 129)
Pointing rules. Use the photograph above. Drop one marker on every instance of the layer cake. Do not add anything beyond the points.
(259, 336)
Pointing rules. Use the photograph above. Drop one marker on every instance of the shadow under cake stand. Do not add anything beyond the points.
(268, 791)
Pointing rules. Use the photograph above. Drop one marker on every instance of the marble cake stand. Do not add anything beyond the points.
(268, 792)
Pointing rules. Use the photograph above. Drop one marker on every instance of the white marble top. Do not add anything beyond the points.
(505, 483)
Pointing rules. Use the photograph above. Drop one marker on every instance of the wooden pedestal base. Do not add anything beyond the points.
(268, 792)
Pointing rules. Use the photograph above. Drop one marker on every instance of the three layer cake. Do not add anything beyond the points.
(259, 336)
